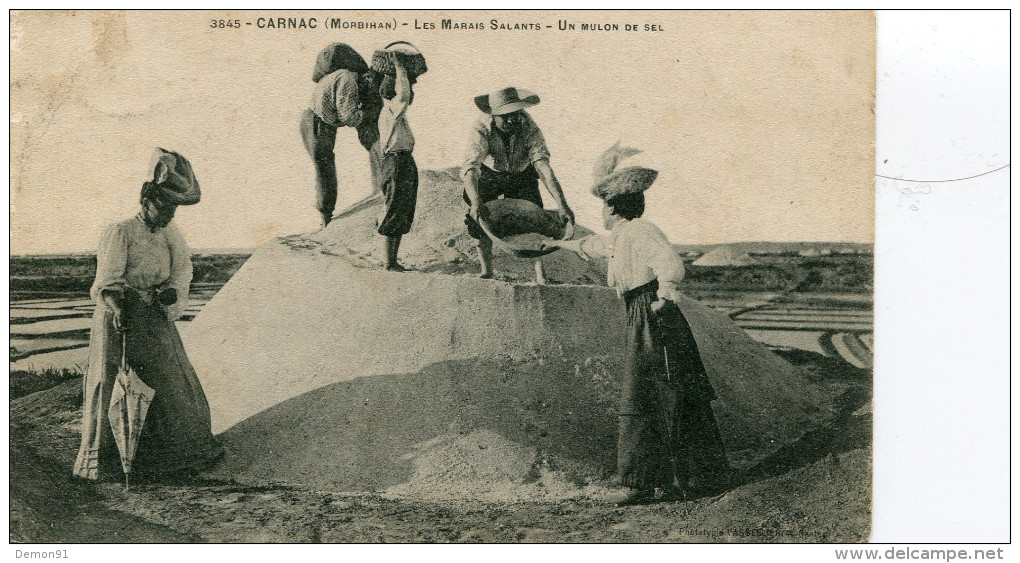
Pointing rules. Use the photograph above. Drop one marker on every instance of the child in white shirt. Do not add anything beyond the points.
(398, 173)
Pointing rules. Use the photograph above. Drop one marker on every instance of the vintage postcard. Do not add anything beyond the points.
(423, 276)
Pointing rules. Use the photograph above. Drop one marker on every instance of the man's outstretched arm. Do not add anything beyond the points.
(552, 185)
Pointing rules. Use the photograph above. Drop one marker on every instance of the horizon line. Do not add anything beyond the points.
(251, 250)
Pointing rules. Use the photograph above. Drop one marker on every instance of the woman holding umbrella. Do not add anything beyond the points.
(143, 273)
(669, 446)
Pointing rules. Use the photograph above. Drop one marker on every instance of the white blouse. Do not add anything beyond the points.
(638, 252)
(394, 131)
(132, 256)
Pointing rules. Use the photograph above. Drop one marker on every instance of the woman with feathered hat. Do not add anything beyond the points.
(669, 445)
(143, 272)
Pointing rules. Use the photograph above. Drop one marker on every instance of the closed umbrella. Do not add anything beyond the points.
(129, 403)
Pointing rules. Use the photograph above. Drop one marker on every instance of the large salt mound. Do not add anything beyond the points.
(320, 371)
(725, 256)
(291, 321)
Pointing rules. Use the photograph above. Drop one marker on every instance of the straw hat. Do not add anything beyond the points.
(174, 177)
(409, 55)
(610, 182)
(507, 100)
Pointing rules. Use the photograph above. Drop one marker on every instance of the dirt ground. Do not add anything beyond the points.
(817, 489)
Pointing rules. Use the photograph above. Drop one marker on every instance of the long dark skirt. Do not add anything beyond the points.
(668, 435)
(176, 436)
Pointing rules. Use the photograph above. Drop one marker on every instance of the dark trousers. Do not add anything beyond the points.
(320, 139)
(667, 427)
(398, 180)
(492, 185)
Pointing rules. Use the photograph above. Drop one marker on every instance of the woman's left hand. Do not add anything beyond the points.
(571, 245)
(658, 304)
(168, 296)
(549, 242)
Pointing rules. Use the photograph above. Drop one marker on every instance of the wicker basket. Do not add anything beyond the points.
(414, 62)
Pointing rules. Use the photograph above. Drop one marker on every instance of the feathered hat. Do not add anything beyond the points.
(610, 182)
(174, 178)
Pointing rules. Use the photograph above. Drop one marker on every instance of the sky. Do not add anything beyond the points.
(760, 123)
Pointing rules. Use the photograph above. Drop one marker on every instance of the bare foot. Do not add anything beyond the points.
(634, 497)
(623, 495)
(396, 268)
(484, 276)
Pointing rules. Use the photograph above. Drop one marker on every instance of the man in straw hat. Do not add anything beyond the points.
(669, 445)
(506, 157)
